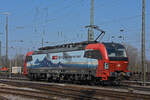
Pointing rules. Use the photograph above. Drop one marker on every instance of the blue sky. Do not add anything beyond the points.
(63, 21)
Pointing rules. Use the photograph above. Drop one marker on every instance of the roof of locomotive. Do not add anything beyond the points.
(64, 47)
(113, 45)
(74, 47)
(69, 45)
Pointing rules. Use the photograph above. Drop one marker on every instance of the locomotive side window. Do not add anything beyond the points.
(28, 58)
(94, 54)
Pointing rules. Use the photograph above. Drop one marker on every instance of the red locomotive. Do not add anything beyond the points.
(84, 61)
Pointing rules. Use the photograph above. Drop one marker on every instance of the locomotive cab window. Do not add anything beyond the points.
(93, 54)
(28, 58)
(117, 52)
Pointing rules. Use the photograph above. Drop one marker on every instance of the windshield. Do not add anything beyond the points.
(113, 52)
(28, 58)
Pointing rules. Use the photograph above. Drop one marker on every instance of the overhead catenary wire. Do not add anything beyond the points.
(122, 19)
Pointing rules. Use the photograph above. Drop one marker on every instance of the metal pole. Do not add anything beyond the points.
(16, 58)
(7, 40)
(0, 52)
(43, 38)
(143, 42)
(10, 69)
(42, 42)
(91, 31)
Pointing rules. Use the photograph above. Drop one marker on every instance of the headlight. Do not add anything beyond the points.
(106, 66)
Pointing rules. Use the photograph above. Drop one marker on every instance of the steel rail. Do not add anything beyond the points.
(78, 91)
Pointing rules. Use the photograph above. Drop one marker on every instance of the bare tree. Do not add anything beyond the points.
(134, 58)
(18, 60)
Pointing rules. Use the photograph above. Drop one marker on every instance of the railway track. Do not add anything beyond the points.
(50, 91)
(28, 94)
(79, 92)
(136, 83)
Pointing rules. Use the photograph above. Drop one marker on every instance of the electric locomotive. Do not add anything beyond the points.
(88, 61)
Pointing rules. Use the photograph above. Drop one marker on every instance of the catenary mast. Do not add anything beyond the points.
(90, 30)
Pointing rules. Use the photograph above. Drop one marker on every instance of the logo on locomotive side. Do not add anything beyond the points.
(54, 57)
